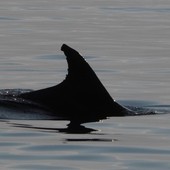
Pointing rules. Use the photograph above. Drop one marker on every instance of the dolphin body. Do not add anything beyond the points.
(81, 97)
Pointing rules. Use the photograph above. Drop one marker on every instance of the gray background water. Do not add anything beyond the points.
(127, 44)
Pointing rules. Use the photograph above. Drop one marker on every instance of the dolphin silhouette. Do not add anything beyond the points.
(81, 97)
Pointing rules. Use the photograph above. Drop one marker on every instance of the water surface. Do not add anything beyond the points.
(126, 43)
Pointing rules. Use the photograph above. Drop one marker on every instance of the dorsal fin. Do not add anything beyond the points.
(77, 66)
(80, 74)
(81, 96)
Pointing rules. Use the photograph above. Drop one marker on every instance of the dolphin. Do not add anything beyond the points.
(80, 97)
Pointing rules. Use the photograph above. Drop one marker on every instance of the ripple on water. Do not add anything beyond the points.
(43, 167)
(9, 18)
(136, 9)
(145, 164)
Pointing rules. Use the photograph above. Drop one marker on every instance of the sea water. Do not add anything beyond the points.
(126, 43)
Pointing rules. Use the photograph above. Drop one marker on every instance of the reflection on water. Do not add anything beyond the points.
(78, 129)
(120, 142)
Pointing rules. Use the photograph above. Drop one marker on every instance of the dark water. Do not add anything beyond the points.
(126, 43)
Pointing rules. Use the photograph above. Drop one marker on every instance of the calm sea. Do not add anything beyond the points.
(127, 43)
